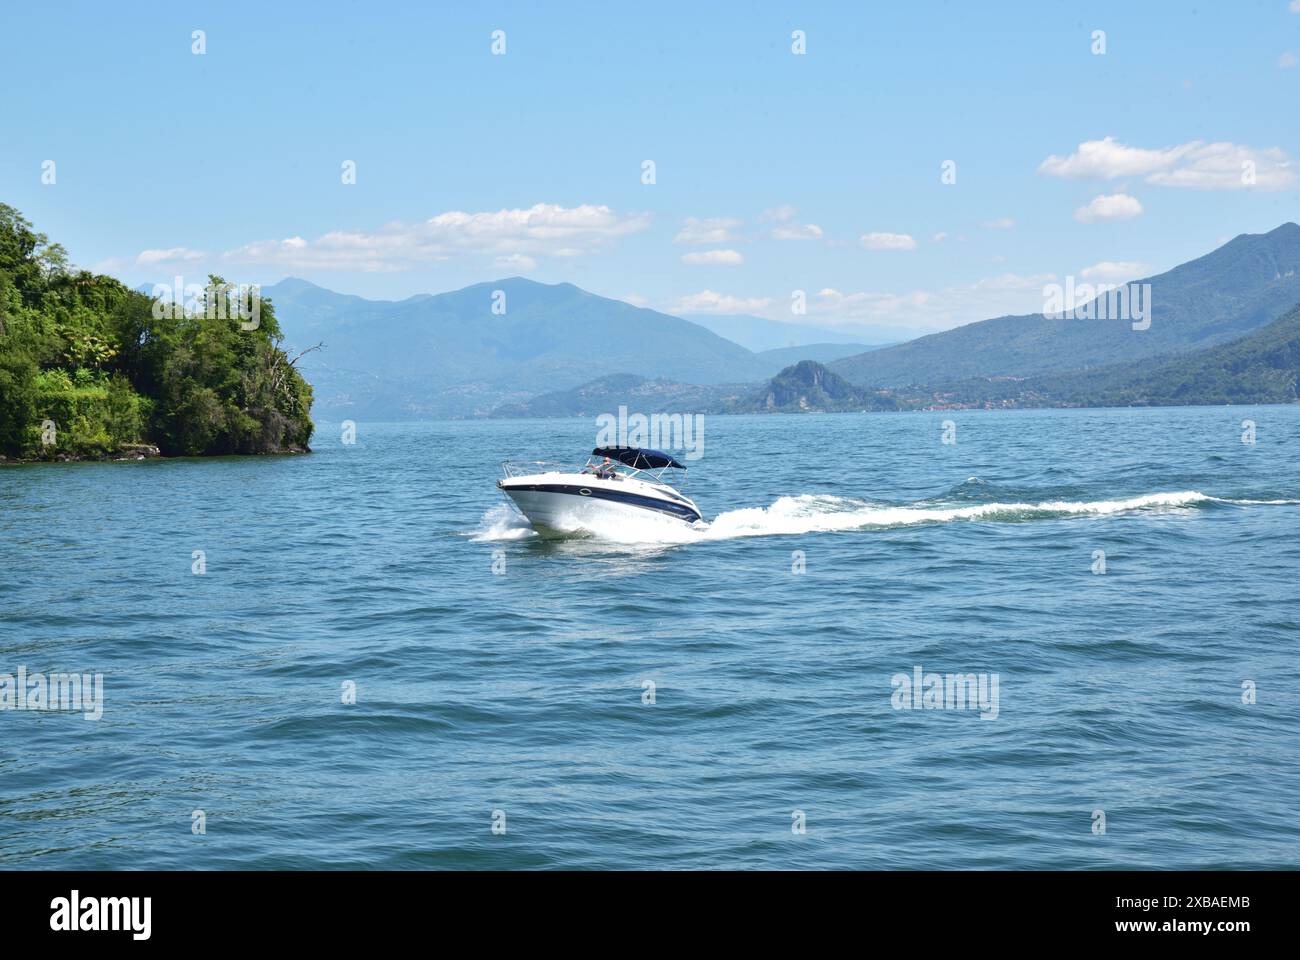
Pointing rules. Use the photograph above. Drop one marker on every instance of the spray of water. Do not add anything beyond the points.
(820, 514)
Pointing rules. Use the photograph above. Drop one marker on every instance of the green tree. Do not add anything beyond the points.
(110, 366)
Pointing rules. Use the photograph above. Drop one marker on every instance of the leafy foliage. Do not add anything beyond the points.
(109, 366)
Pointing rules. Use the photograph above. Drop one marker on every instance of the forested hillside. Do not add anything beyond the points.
(89, 368)
(1260, 368)
(1226, 294)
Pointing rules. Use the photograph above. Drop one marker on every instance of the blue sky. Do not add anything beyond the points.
(774, 172)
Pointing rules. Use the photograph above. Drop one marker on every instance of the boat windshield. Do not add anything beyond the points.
(602, 467)
(608, 469)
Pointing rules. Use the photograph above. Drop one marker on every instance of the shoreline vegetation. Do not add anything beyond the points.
(92, 370)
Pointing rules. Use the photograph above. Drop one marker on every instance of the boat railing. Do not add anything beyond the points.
(526, 468)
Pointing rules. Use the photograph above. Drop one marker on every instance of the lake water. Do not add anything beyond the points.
(518, 697)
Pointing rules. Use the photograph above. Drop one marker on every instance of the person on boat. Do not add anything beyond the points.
(606, 470)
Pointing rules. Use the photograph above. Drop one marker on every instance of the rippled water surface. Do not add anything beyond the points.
(522, 691)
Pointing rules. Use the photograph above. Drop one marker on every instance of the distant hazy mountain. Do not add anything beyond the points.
(1262, 367)
(809, 387)
(637, 393)
(552, 351)
(780, 358)
(760, 334)
(804, 387)
(450, 355)
(1232, 291)
(1259, 368)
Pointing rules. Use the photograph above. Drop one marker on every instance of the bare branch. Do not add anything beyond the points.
(305, 352)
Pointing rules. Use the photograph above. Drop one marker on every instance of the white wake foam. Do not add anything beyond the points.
(502, 522)
(808, 514)
(821, 514)
(1253, 503)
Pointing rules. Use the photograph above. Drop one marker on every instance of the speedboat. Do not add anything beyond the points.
(615, 485)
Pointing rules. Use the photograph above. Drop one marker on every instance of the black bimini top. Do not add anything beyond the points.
(638, 459)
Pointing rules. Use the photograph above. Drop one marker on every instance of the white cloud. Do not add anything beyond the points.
(1196, 164)
(940, 237)
(1111, 271)
(149, 258)
(887, 241)
(708, 301)
(777, 214)
(1002, 223)
(1104, 159)
(1108, 207)
(785, 228)
(1222, 166)
(1013, 281)
(895, 315)
(797, 231)
(729, 258)
(516, 261)
(923, 311)
(864, 306)
(636, 299)
(541, 230)
(1287, 60)
(710, 230)
(1295, 6)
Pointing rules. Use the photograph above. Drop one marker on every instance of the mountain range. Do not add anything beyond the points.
(467, 352)
(1261, 367)
(515, 347)
(761, 334)
(1225, 294)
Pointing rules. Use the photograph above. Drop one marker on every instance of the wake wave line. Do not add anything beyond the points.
(808, 513)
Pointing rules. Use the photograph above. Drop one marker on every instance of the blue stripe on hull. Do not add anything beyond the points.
(680, 510)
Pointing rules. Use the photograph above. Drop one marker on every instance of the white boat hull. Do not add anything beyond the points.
(565, 504)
